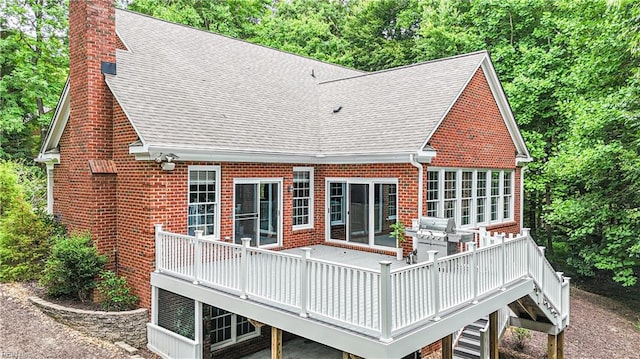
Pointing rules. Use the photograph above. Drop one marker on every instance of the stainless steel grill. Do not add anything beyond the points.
(438, 234)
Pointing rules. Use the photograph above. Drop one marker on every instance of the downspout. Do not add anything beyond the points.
(418, 165)
(523, 169)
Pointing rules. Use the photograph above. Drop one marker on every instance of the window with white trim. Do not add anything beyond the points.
(392, 204)
(495, 195)
(472, 197)
(203, 199)
(302, 197)
(228, 328)
(481, 197)
(432, 193)
(336, 198)
(507, 195)
(450, 199)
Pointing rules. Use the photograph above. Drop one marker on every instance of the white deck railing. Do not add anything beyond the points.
(379, 302)
(169, 344)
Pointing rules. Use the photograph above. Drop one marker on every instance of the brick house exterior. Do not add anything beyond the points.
(101, 183)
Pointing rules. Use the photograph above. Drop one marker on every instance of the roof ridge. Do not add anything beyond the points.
(407, 66)
(238, 40)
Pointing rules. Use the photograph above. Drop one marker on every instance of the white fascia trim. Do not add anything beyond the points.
(505, 109)
(149, 152)
(123, 42)
(58, 123)
(48, 158)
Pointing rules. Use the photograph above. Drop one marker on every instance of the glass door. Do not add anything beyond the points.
(257, 212)
(358, 213)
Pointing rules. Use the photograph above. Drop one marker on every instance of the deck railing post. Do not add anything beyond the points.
(566, 300)
(385, 301)
(474, 271)
(525, 233)
(159, 262)
(304, 282)
(435, 284)
(503, 262)
(197, 256)
(244, 268)
(483, 236)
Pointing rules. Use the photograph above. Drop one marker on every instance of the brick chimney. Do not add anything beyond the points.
(85, 197)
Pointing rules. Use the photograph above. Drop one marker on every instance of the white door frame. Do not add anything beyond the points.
(258, 181)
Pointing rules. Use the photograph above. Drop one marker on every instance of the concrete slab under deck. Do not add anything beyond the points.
(300, 348)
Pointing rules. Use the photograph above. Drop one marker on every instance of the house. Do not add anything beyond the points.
(215, 172)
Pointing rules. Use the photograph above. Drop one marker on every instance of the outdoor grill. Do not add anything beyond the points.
(438, 234)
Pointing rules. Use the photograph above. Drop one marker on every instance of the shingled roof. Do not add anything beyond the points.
(205, 96)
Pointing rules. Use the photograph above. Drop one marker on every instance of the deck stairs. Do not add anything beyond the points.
(468, 345)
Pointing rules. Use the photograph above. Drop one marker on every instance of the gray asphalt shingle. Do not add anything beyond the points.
(192, 89)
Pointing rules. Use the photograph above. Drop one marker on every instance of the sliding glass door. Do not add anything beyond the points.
(361, 211)
(257, 212)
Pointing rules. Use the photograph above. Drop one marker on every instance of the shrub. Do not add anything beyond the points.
(25, 236)
(115, 292)
(72, 267)
(521, 336)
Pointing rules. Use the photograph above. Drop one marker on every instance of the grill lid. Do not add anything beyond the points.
(445, 225)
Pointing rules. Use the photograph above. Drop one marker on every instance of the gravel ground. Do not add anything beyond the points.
(600, 328)
(27, 333)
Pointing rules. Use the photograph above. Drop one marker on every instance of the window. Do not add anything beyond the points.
(336, 196)
(302, 197)
(450, 194)
(506, 195)
(227, 328)
(471, 197)
(391, 203)
(481, 196)
(467, 194)
(203, 212)
(495, 195)
(432, 193)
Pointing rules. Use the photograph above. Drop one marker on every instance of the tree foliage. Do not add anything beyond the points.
(33, 68)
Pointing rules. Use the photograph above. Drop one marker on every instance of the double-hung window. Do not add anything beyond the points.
(228, 328)
(302, 197)
(472, 197)
(336, 198)
(203, 200)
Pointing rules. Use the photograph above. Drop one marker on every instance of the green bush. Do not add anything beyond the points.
(72, 267)
(115, 292)
(26, 236)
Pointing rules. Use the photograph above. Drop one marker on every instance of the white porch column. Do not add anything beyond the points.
(197, 330)
(49, 187)
(154, 305)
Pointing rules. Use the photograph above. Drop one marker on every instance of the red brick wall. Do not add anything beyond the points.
(85, 201)
(474, 135)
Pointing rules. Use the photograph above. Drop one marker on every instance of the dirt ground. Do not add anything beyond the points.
(600, 328)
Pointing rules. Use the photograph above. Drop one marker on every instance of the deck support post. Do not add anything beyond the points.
(244, 268)
(552, 348)
(276, 343)
(493, 335)
(385, 301)
(198, 330)
(197, 258)
(474, 271)
(447, 347)
(435, 290)
(304, 282)
(560, 345)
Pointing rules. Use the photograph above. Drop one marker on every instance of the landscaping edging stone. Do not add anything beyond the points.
(129, 326)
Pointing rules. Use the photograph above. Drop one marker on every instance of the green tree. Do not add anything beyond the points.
(33, 68)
